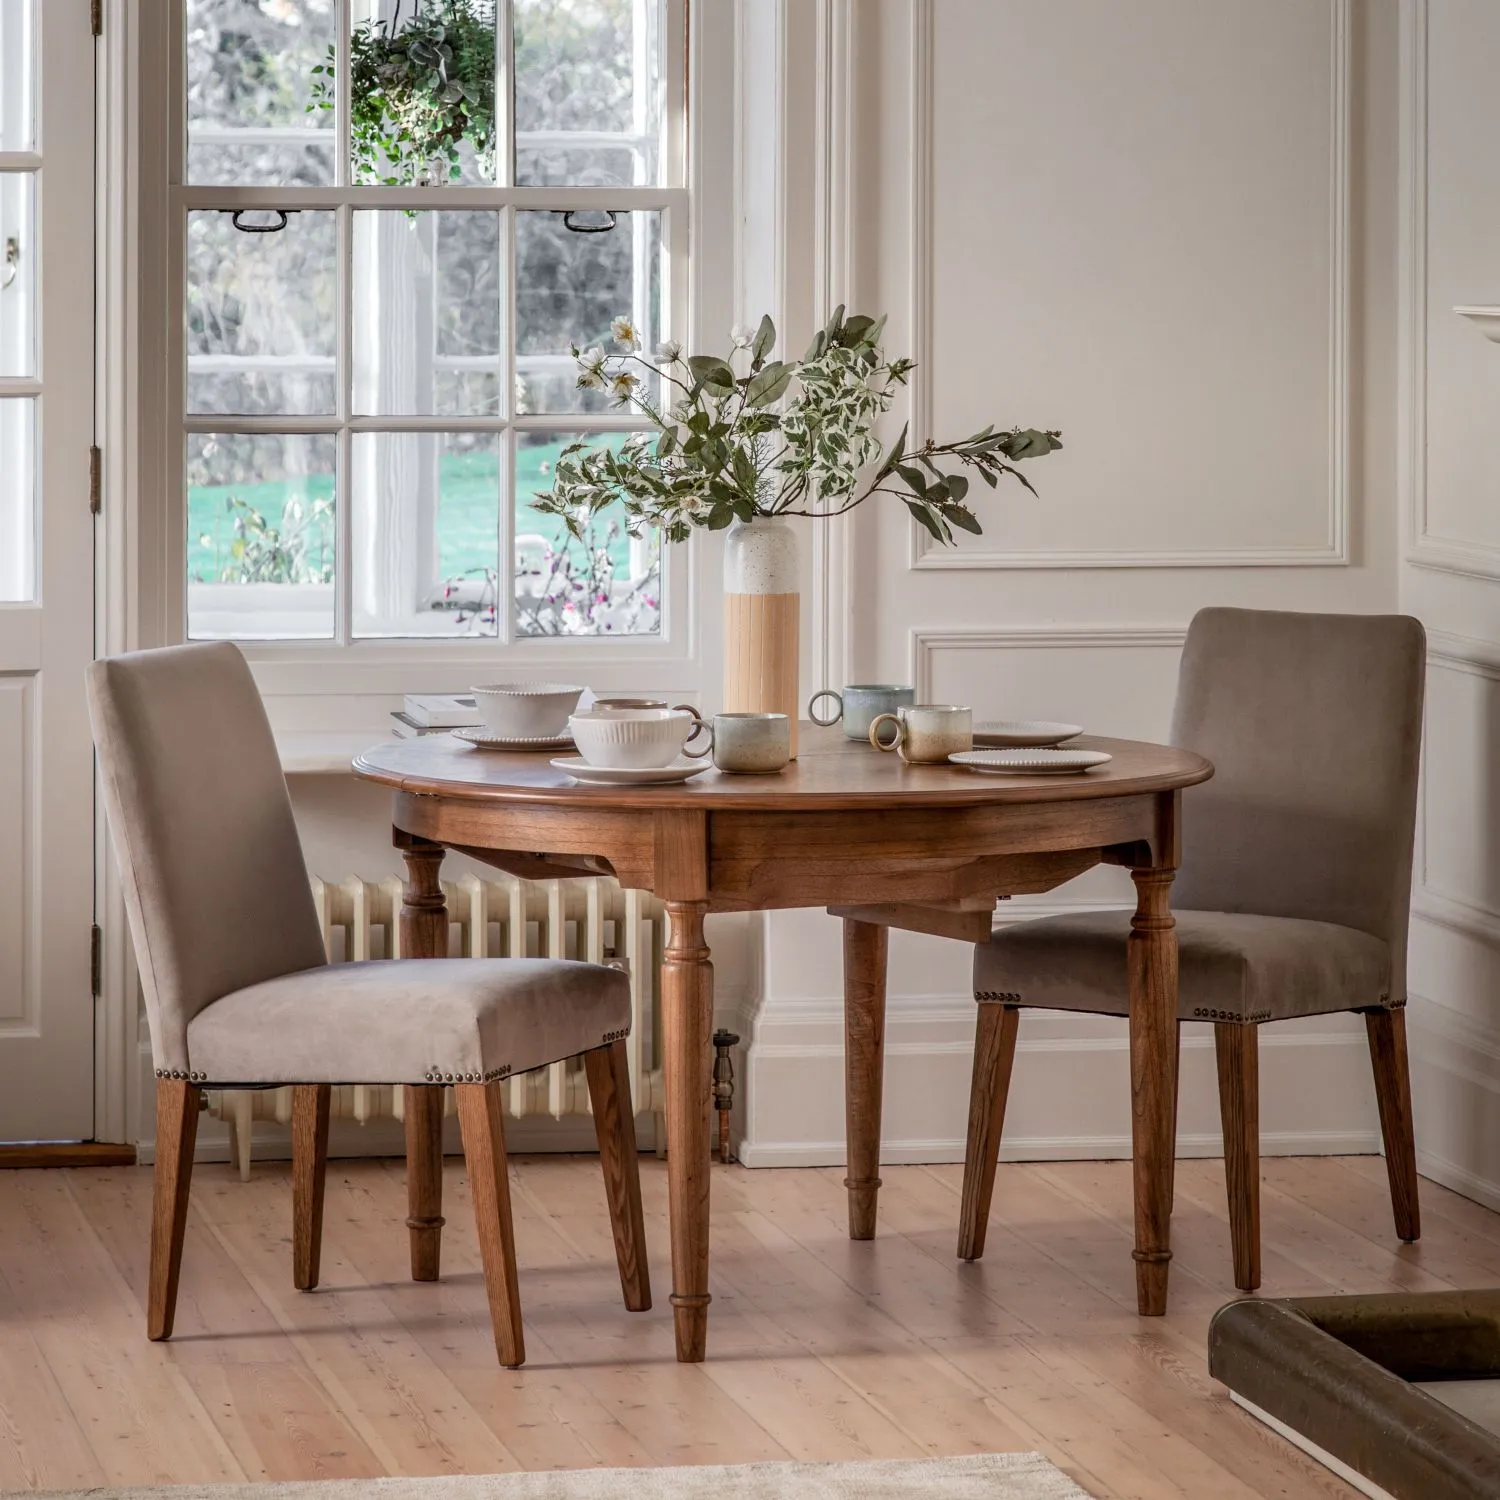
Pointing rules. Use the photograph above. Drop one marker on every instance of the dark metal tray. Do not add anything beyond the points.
(1344, 1373)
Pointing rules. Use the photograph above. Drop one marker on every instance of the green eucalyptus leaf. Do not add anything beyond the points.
(894, 456)
(958, 486)
(713, 373)
(769, 385)
(926, 517)
(765, 338)
(962, 516)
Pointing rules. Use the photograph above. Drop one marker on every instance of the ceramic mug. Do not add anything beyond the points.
(748, 744)
(642, 740)
(926, 733)
(859, 705)
(625, 705)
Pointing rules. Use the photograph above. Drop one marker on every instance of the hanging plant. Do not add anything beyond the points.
(417, 92)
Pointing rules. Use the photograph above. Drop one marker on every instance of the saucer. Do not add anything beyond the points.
(477, 734)
(1024, 733)
(580, 770)
(1030, 762)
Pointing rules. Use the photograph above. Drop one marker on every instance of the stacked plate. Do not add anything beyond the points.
(1041, 762)
(1023, 734)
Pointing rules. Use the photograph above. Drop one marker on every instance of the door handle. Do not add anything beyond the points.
(12, 261)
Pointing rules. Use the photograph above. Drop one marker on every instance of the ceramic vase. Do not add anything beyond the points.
(761, 607)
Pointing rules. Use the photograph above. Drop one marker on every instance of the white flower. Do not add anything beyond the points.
(622, 384)
(743, 335)
(682, 411)
(669, 350)
(590, 380)
(622, 330)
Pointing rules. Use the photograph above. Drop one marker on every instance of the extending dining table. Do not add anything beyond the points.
(880, 843)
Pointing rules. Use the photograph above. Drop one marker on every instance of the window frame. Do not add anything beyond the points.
(300, 661)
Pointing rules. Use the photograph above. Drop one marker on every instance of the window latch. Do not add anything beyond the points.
(283, 218)
(608, 213)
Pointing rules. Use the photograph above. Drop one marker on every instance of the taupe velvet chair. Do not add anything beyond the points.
(1293, 893)
(239, 994)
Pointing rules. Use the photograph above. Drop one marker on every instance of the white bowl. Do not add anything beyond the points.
(525, 710)
(646, 739)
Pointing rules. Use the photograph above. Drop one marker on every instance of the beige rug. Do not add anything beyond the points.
(975, 1476)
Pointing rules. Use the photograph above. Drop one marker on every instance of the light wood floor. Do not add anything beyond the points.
(818, 1348)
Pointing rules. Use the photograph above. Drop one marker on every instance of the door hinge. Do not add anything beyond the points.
(96, 480)
(96, 17)
(96, 961)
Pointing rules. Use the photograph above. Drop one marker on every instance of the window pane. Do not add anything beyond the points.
(588, 92)
(427, 293)
(261, 314)
(426, 533)
(423, 92)
(17, 273)
(609, 584)
(260, 93)
(17, 500)
(570, 283)
(17, 76)
(260, 542)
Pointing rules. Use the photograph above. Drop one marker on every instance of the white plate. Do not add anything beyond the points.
(1029, 762)
(580, 770)
(477, 734)
(1024, 733)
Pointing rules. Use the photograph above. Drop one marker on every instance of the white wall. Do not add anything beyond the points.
(1169, 229)
(1449, 415)
(1166, 228)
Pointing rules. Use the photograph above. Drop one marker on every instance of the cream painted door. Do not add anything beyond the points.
(46, 569)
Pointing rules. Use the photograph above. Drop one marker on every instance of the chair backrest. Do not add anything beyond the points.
(215, 885)
(1314, 726)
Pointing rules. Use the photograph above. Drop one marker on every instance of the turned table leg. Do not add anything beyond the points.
(1153, 1081)
(687, 986)
(423, 934)
(865, 947)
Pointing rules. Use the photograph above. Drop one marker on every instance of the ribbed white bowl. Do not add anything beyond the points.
(525, 710)
(647, 738)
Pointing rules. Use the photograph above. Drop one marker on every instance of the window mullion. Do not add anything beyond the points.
(343, 474)
(343, 172)
(505, 93)
(505, 585)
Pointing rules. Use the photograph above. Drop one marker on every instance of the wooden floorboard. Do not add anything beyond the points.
(820, 1347)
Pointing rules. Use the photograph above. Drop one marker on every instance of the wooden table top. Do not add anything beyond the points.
(831, 772)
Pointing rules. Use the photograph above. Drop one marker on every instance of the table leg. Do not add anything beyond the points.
(865, 947)
(687, 992)
(1153, 1081)
(423, 934)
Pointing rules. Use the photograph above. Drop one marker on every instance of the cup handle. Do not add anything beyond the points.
(707, 729)
(881, 744)
(838, 713)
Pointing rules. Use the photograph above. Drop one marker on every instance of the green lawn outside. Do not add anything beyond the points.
(468, 511)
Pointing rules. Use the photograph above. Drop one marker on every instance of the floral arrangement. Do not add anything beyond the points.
(417, 92)
(747, 435)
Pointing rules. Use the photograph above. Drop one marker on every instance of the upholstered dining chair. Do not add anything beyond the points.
(1292, 898)
(239, 993)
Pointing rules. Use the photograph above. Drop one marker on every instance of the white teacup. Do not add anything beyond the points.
(926, 733)
(642, 740)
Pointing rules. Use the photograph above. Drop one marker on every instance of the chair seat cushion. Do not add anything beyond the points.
(410, 1020)
(1232, 966)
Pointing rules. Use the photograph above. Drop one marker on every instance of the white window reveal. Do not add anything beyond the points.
(395, 218)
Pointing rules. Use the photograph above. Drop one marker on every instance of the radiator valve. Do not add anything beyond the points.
(724, 1086)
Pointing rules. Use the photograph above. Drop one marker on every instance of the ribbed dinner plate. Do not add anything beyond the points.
(1029, 762)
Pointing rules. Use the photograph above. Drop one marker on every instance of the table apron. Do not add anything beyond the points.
(756, 860)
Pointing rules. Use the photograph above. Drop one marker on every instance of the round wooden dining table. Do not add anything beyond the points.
(926, 848)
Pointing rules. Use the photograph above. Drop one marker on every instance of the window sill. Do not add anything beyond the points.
(309, 753)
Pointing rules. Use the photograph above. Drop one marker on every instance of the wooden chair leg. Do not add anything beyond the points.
(994, 1055)
(480, 1120)
(310, 1110)
(423, 1108)
(176, 1134)
(1237, 1048)
(608, 1072)
(1387, 1033)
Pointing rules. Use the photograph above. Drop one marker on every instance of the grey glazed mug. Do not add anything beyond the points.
(861, 704)
(748, 744)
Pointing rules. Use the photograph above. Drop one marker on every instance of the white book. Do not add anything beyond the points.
(441, 710)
